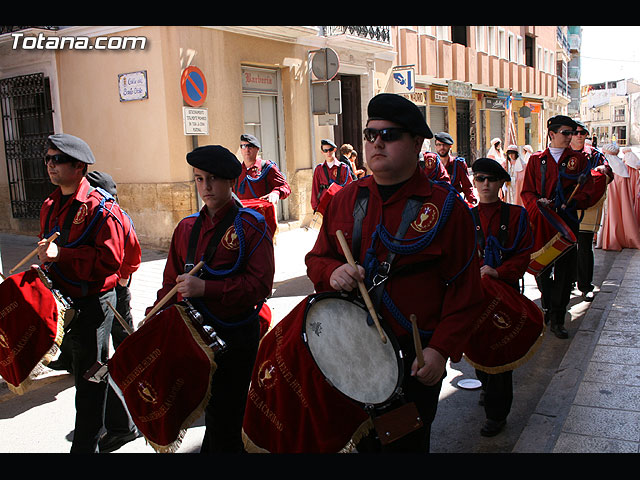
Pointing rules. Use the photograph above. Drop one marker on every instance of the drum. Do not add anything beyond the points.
(163, 371)
(266, 209)
(349, 351)
(303, 401)
(507, 333)
(326, 197)
(32, 320)
(553, 238)
(592, 219)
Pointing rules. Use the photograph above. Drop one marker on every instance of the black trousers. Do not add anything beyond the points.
(426, 401)
(585, 261)
(555, 284)
(229, 389)
(88, 337)
(498, 393)
(117, 419)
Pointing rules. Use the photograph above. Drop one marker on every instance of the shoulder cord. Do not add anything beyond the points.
(248, 180)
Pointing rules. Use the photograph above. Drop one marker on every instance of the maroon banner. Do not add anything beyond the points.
(291, 407)
(164, 370)
(29, 327)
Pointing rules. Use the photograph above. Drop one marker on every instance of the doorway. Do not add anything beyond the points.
(349, 127)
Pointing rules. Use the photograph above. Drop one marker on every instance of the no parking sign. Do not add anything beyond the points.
(194, 86)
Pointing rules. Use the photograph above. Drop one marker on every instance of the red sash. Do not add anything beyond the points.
(164, 370)
(291, 408)
(29, 328)
(507, 333)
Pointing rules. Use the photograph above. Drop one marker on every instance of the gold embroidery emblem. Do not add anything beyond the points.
(147, 392)
(501, 320)
(81, 214)
(572, 163)
(426, 219)
(230, 239)
(266, 375)
(430, 163)
(3, 339)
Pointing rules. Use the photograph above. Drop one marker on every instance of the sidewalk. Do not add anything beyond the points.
(592, 404)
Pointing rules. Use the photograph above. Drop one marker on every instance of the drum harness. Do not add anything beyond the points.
(84, 236)
(248, 180)
(340, 165)
(377, 273)
(232, 217)
(492, 249)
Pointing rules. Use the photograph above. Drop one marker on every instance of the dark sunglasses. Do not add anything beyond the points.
(57, 159)
(330, 149)
(566, 133)
(246, 145)
(581, 132)
(482, 178)
(390, 134)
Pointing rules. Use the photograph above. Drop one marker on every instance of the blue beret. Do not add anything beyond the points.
(217, 160)
(73, 146)
(398, 109)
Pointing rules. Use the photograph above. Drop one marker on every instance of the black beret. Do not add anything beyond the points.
(559, 120)
(397, 109)
(250, 139)
(102, 180)
(581, 124)
(326, 141)
(444, 137)
(217, 160)
(490, 167)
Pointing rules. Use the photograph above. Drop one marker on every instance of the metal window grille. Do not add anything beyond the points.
(27, 121)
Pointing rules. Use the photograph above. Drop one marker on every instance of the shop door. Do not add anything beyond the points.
(463, 143)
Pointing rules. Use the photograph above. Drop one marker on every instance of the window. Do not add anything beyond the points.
(481, 41)
(459, 35)
(520, 52)
(492, 40)
(443, 32)
(511, 47)
(528, 51)
(501, 43)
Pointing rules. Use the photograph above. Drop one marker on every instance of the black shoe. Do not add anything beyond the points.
(113, 441)
(559, 331)
(588, 296)
(492, 427)
(59, 365)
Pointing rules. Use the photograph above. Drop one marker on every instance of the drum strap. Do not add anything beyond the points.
(248, 180)
(503, 232)
(219, 232)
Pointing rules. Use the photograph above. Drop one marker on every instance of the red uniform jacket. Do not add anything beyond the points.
(518, 243)
(459, 178)
(441, 293)
(238, 292)
(261, 179)
(434, 168)
(132, 250)
(339, 174)
(92, 257)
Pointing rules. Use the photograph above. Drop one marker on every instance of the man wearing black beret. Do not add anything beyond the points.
(259, 178)
(456, 167)
(330, 171)
(504, 240)
(551, 178)
(433, 273)
(227, 292)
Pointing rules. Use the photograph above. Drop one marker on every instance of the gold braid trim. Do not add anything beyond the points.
(512, 365)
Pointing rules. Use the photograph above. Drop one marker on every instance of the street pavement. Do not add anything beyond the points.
(579, 395)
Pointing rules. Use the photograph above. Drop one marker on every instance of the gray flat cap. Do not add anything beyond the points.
(73, 146)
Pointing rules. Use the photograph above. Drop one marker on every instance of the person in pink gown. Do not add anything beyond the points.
(621, 227)
(632, 161)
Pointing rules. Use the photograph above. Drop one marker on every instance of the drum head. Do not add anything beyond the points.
(350, 353)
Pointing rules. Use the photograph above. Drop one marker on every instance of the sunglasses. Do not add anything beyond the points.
(246, 145)
(482, 178)
(57, 159)
(566, 133)
(327, 150)
(390, 134)
(581, 132)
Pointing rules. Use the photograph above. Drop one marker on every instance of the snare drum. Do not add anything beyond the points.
(264, 208)
(349, 352)
(553, 238)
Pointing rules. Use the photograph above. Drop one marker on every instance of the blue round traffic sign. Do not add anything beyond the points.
(193, 86)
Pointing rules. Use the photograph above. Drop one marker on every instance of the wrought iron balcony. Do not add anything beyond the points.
(376, 33)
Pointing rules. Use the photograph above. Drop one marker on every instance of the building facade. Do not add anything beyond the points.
(132, 104)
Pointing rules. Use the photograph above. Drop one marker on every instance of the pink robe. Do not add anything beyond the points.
(621, 225)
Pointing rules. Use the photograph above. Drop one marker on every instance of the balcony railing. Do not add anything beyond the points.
(379, 34)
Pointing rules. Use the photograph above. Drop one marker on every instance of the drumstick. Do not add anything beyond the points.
(35, 250)
(171, 293)
(361, 286)
(122, 321)
(416, 341)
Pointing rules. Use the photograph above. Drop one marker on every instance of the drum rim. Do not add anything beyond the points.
(399, 354)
